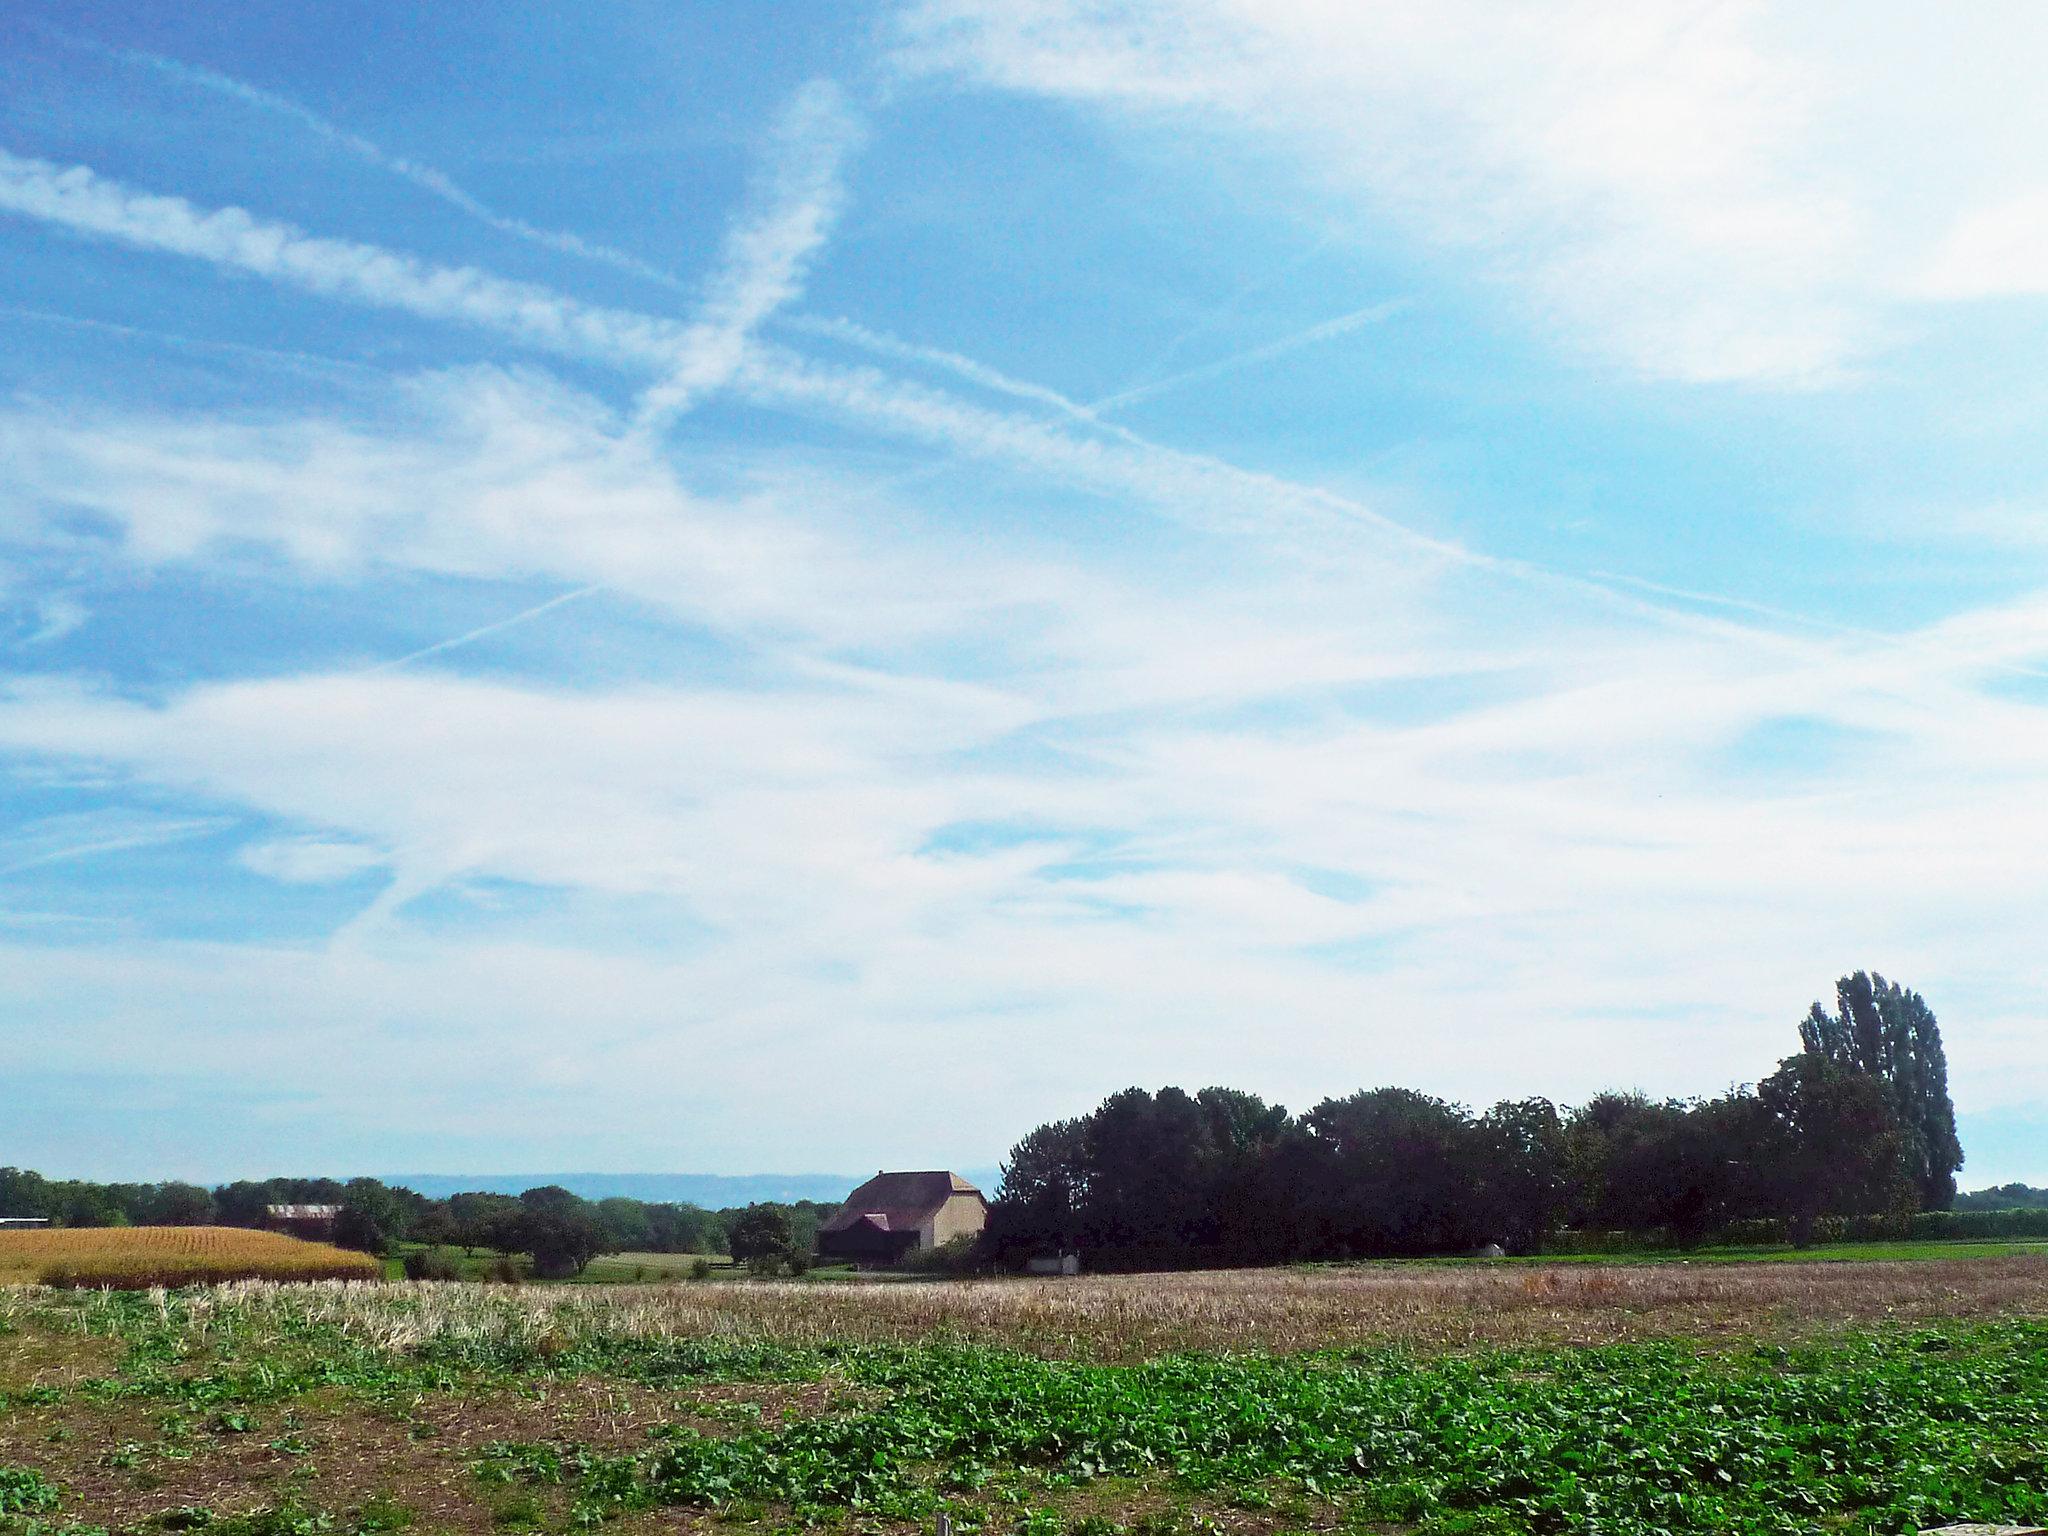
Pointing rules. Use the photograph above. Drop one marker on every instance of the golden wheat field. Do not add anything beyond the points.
(135, 1258)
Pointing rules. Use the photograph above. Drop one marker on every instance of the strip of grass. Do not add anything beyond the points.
(1777, 1253)
(1820, 1253)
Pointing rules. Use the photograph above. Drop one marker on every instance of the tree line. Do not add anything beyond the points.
(557, 1228)
(2004, 1197)
(1858, 1122)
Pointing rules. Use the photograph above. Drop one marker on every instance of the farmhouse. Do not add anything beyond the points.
(309, 1221)
(898, 1213)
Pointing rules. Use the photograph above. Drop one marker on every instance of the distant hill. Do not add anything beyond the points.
(713, 1191)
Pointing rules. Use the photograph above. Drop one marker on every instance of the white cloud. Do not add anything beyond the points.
(1995, 252)
(1328, 330)
(1635, 169)
(969, 787)
(309, 860)
(1713, 191)
(1565, 850)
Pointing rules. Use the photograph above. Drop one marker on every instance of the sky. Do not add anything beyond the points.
(732, 588)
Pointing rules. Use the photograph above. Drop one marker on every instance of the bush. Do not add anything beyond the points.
(505, 1270)
(700, 1269)
(431, 1264)
(955, 1256)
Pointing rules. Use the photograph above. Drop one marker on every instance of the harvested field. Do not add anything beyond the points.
(1128, 1317)
(136, 1258)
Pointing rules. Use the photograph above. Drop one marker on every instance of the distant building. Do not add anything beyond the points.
(315, 1222)
(898, 1213)
(24, 1221)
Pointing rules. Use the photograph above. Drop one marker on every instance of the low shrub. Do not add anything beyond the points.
(431, 1264)
(956, 1256)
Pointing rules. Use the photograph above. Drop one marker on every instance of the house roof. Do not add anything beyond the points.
(302, 1212)
(899, 1202)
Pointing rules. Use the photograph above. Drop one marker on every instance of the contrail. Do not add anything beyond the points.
(881, 344)
(309, 362)
(425, 177)
(77, 198)
(1372, 314)
(117, 842)
(766, 252)
(477, 634)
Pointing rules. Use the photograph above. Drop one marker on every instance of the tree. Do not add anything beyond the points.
(625, 1223)
(166, 1205)
(23, 1193)
(1844, 1151)
(761, 1238)
(373, 1216)
(1883, 1030)
(1520, 1167)
(1396, 1172)
(561, 1238)
(1044, 1187)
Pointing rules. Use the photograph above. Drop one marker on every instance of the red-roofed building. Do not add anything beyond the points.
(898, 1213)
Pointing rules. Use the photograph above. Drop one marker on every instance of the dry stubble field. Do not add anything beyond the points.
(1457, 1399)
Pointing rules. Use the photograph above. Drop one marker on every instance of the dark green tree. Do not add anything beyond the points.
(1843, 1149)
(1043, 1192)
(625, 1223)
(761, 1238)
(1519, 1167)
(372, 1218)
(1395, 1173)
(1880, 1028)
(23, 1193)
(561, 1238)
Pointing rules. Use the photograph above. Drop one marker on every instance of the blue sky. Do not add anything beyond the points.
(725, 588)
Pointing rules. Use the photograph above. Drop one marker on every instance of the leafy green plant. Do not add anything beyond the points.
(25, 1491)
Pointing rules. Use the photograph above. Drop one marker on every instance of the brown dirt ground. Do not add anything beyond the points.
(420, 1452)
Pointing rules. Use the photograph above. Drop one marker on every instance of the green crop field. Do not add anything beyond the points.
(1878, 1397)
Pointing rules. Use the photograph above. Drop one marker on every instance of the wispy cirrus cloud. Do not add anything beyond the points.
(1704, 193)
